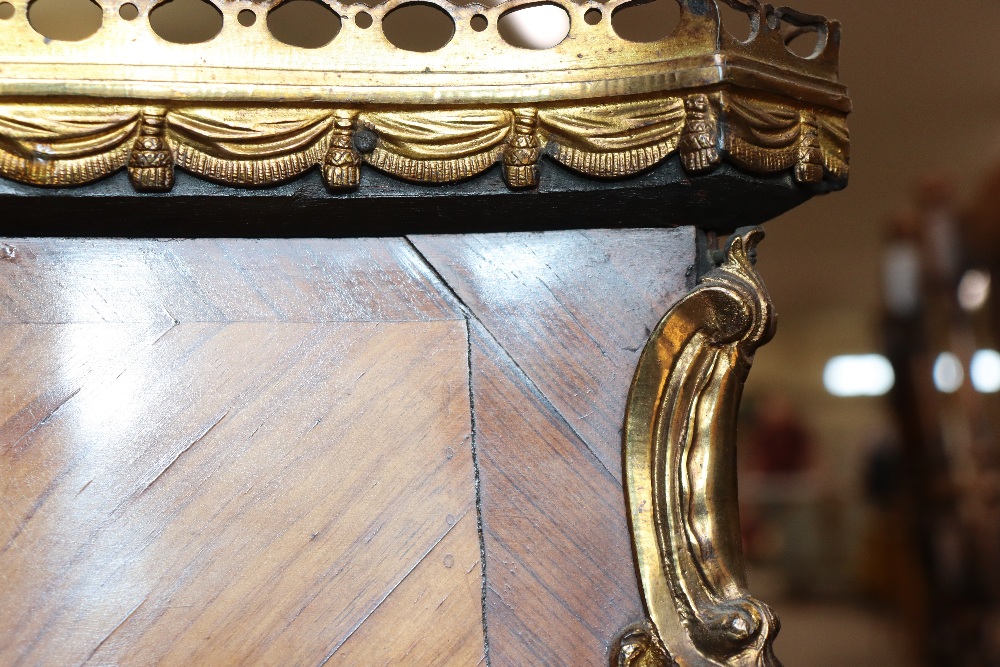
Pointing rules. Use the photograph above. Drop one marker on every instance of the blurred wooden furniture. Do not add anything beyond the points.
(405, 448)
(941, 476)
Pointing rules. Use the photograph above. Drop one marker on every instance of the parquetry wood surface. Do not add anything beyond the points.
(559, 322)
(271, 452)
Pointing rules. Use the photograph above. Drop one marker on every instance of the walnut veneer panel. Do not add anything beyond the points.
(573, 310)
(226, 280)
(233, 492)
(559, 320)
(238, 451)
(560, 578)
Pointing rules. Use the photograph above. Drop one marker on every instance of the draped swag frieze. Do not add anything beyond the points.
(71, 144)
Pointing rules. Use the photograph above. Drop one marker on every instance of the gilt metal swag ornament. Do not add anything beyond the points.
(244, 109)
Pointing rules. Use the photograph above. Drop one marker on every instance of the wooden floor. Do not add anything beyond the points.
(297, 452)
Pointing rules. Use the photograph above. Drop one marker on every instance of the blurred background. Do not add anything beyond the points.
(871, 462)
(870, 469)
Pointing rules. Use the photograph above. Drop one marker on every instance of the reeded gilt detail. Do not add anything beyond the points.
(245, 109)
(246, 146)
(66, 144)
(761, 136)
(680, 469)
(765, 135)
(437, 146)
(151, 162)
(614, 140)
(699, 143)
(342, 164)
(521, 154)
(252, 146)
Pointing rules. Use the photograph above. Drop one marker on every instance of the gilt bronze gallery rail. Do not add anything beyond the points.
(247, 111)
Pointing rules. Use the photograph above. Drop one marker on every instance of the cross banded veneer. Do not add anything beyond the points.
(402, 442)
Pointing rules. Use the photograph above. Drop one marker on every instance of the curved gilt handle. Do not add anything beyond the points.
(680, 474)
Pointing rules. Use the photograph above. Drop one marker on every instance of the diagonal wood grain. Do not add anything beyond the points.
(573, 310)
(421, 600)
(236, 493)
(559, 321)
(560, 575)
(238, 451)
(217, 280)
(44, 372)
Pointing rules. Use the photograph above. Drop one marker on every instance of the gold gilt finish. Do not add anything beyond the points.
(71, 144)
(247, 110)
(680, 474)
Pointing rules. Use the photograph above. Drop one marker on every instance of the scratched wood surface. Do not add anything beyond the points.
(228, 453)
(267, 451)
(559, 321)
(573, 309)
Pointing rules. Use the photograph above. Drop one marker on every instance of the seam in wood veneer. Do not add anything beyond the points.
(467, 315)
(471, 315)
(478, 485)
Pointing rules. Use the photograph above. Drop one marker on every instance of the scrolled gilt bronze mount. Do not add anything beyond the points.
(680, 470)
(645, 126)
